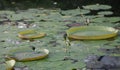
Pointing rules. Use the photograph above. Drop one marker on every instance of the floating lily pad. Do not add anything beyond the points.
(30, 34)
(74, 24)
(91, 32)
(105, 13)
(75, 12)
(7, 12)
(28, 55)
(93, 16)
(15, 17)
(97, 7)
(2, 66)
(20, 16)
(102, 24)
(32, 10)
(106, 19)
(14, 50)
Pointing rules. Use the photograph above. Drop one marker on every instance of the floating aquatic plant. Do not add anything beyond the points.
(7, 12)
(106, 19)
(52, 22)
(2, 66)
(75, 12)
(105, 13)
(30, 56)
(30, 34)
(97, 7)
(91, 32)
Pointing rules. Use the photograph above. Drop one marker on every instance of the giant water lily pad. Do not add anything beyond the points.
(28, 55)
(91, 32)
(97, 7)
(30, 34)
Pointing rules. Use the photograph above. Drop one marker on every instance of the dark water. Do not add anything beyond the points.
(63, 4)
(71, 4)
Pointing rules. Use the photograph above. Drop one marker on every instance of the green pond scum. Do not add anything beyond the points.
(53, 23)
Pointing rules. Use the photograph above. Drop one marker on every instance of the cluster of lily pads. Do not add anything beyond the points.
(52, 23)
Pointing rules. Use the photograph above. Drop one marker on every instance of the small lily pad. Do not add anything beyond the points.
(30, 34)
(29, 55)
(97, 7)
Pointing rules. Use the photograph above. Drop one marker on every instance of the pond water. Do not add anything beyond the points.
(53, 22)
